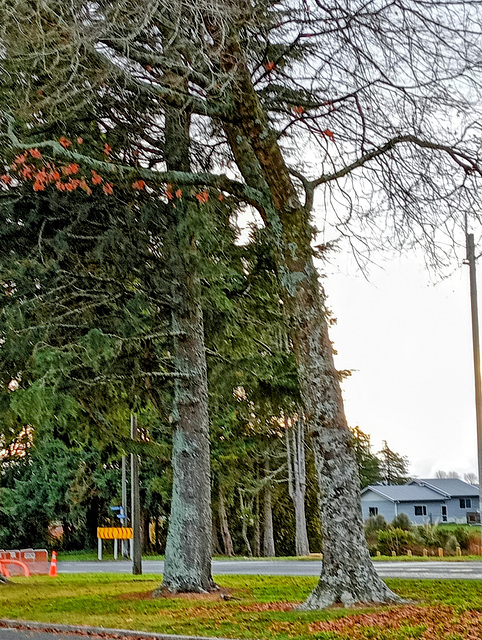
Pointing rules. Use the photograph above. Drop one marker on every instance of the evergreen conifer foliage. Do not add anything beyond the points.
(83, 307)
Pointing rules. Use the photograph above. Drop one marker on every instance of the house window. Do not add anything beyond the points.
(465, 503)
(420, 510)
(372, 511)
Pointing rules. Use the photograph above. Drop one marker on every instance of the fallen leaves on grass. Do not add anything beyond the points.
(426, 623)
(212, 596)
(268, 606)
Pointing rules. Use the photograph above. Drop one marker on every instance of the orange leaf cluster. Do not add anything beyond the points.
(20, 159)
(202, 197)
(26, 172)
(298, 110)
(46, 173)
(70, 169)
(170, 195)
(329, 134)
(65, 142)
(96, 178)
(269, 66)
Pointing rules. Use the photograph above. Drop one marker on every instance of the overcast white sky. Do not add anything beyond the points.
(409, 343)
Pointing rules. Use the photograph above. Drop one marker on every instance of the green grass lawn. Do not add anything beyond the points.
(263, 608)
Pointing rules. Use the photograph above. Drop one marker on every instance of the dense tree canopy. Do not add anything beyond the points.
(385, 96)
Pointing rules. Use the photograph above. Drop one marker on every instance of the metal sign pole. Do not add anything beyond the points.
(125, 543)
(136, 505)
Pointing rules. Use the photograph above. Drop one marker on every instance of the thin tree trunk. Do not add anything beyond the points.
(215, 540)
(223, 522)
(348, 575)
(257, 530)
(187, 566)
(157, 546)
(146, 535)
(268, 536)
(295, 450)
(244, 524)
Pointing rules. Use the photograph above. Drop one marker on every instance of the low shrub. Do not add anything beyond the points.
(397, 540)
(402, 521)
(463, 537)
(373, 525)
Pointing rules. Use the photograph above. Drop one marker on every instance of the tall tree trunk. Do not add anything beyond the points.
(295, 450)
(223, 523)
(187, 566)
(348, 575)
(256, 528)
(268, 536)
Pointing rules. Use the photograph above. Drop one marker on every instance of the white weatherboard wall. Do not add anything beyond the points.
(386, 508)
(432, 512)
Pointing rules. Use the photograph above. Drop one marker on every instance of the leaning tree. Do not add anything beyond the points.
(374, 106)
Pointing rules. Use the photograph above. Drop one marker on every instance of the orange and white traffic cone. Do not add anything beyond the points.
(53, 565)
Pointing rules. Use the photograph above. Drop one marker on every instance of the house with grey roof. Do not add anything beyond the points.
(430, 501)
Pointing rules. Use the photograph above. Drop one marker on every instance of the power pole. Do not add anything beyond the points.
(470, 246)
(136, 505)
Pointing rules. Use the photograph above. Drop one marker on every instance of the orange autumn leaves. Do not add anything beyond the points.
(45, 173)
(409, 621)
(31, 166)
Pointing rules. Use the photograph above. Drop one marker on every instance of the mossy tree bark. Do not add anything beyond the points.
(187, 566)
(348, 575)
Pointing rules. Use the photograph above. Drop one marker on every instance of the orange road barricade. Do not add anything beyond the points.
(25, 561)
(13, 563)
(115, 534)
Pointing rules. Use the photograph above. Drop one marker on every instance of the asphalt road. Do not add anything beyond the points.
(18, 634)
(435, 570)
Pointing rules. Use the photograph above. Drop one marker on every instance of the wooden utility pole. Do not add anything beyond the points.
(470, 245)
(136, 505)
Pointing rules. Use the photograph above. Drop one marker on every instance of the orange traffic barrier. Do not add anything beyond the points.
(37, 560)
(18, 563)
(53, 565)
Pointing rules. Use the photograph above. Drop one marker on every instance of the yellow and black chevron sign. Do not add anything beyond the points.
(114, 533)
